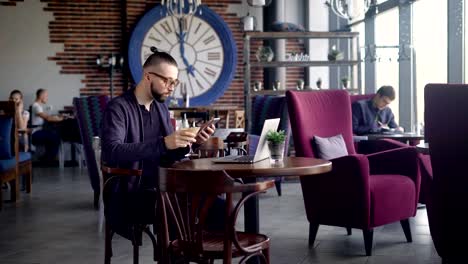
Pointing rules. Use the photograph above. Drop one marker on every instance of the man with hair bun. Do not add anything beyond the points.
(137, 134)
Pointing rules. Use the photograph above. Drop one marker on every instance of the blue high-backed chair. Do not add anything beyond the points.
(88, 112)
(13, 163)
(267, 107)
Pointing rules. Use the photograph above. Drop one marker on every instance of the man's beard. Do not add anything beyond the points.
(157, 96)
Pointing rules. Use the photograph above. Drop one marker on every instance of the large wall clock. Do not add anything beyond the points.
(202, 45)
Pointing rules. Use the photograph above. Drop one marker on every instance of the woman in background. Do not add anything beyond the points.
(22, 116)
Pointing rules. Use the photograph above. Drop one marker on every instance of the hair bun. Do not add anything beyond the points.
(154, 49)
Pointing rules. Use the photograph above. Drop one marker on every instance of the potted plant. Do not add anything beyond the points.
(276, 140)
(300, 84)
(319, 83)
(264, 54)
(334, 54)
(344, 82)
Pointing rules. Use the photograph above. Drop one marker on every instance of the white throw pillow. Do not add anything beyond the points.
(330, 147)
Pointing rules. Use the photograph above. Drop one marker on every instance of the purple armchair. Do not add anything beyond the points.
(361, 191)
(358, 97)
(374, 146)
(446, 130)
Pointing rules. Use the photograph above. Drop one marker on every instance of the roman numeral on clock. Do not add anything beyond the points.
(152, 37)
(209, 39)
(166, 27)
(200, 85)
(214, 56)
(210, 72)
(183, 24)
(197, 28)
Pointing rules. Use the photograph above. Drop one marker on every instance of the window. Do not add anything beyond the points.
(360, 27)
(430, 46)
(386, 53)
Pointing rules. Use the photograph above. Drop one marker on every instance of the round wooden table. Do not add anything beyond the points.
(291, 166)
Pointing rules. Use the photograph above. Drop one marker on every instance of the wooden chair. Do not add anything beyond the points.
(136, 228)
(237, 141)
(9, 157)
(25, 169)
(13, 163)
(239, 119)
(107, 175)
(224, 115)
(213, 147)
(186, 197)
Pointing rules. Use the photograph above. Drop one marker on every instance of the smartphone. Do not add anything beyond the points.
(213, 121)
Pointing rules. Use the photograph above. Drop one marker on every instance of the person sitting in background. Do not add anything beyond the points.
(22, 116)
(373, 115)
(40, 135)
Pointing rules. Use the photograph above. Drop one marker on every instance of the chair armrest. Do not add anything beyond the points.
(254, 189)
(116, 173)
(374, 146)
(403, 161)
(120, 171)
(348, 172)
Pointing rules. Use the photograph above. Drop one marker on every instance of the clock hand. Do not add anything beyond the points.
(181, 36)
(190, 68)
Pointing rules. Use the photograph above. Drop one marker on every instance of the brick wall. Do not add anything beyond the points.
(90, 28)
(9, 2)
(86, 29)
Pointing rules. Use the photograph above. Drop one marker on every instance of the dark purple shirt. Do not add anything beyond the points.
(366, 117)
(152, 131)
(130, 142)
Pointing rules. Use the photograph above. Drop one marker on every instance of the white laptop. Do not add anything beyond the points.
(262, 151)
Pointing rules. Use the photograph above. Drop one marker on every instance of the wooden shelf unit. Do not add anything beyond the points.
(352, 61)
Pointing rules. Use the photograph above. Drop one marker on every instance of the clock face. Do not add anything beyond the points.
(201, 44)
(196, 47)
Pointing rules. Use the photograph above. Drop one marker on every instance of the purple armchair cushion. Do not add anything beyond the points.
(393, 197)
(330, 147)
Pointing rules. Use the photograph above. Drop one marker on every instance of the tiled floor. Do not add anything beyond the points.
(56, 224)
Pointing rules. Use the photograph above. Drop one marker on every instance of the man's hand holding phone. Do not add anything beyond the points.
(206, 131)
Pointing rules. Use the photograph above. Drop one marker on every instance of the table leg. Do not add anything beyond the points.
(251, 216)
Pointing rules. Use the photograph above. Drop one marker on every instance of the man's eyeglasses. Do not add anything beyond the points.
(168, 82)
